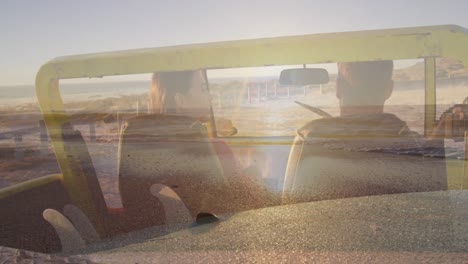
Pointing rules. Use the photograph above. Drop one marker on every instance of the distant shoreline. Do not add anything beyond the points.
(23, 97)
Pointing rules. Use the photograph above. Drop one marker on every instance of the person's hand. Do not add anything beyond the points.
(451, 123)
(225, 128)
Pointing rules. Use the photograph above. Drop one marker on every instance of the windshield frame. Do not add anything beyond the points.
(388, 44)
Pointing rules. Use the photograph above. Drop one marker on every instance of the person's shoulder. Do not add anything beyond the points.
(164, 125)
(379, 124)
(323, 127)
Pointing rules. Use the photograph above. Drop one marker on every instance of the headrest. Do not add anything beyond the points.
(163, 126)
(379, 125)
(378, 132)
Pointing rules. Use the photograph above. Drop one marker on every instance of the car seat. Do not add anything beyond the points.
(349, 160)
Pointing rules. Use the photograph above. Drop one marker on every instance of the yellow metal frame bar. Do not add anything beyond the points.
(429, 95)
(391, 44)
(464, 181)
(28, 185)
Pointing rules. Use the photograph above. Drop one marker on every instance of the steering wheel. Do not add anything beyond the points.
(314, 109)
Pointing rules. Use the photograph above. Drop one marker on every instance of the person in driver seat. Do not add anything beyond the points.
(357, 153)
(362, 89)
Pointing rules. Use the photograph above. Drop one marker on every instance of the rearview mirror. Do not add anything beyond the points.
(304, 76)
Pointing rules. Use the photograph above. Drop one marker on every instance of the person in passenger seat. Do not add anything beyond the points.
(183, 92)
(186, 93)
(330, 157)
(362, 89)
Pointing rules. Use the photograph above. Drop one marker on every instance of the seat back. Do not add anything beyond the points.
(356, 161)
(174, 151)
(81, 165)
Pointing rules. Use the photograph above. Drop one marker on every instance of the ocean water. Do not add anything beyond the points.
(24, 94)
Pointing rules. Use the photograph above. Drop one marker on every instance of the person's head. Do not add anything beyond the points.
(363, 87)
(182, 92)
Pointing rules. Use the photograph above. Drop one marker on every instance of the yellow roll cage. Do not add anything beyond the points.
(425, 43)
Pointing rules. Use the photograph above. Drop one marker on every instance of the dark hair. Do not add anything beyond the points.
(366, 74)
(365, 82)
(164, 87)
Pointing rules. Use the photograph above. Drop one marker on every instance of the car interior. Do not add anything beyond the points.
(174, 169)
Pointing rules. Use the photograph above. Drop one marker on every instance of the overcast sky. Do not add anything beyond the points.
(34, 32)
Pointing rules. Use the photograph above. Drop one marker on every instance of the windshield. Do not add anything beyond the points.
(269, 143)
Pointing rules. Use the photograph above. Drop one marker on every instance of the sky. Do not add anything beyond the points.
(34, 32)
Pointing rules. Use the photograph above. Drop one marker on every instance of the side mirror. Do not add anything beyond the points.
(304, 76)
